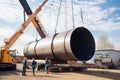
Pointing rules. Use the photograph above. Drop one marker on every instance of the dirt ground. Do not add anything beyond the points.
(90, 74)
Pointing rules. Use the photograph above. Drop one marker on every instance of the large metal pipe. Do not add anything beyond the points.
(76, 44)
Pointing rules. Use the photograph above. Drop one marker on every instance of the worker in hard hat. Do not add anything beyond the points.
(34, 64)
(24, 67)
(47, 64)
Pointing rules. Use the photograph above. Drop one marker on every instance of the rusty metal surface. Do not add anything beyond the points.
(76, 44)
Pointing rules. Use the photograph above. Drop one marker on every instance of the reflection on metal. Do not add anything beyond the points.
(76, 44)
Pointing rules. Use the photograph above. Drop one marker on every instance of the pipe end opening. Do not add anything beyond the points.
(82, 44)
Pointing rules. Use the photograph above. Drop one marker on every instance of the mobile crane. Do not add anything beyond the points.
(57, 48)
(37, 23)
(7, 61)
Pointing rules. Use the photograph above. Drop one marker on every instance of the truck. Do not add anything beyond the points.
(7, 60)
(108, 58)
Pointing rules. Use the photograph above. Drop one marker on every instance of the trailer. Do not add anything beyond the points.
(71, 66)
(107, 58)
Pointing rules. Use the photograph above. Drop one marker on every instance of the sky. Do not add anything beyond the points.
(100, 17)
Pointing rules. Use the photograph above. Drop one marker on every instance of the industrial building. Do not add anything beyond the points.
(108, 57)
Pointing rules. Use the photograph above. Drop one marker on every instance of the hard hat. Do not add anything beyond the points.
(25, 58)
(33, 58)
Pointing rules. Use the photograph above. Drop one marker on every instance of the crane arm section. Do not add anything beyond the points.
(22, 28)
(37, 23)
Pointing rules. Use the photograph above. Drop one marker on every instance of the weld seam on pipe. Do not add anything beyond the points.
(28, 54)
(52, 46)
(64, 44)
(35, 49)
(29, 57)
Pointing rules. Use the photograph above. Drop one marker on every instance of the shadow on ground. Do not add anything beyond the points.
(6, 73)
(104, 73)
(45, 76)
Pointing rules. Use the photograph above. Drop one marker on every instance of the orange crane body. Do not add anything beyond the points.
(5, 56)
(37, 23)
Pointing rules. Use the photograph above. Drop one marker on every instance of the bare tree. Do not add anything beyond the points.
(104, 43)
(118, 48)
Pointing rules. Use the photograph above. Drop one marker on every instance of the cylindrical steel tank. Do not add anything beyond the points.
(76, 44)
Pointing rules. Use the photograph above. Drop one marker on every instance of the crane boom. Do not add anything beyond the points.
(7, 59)
(37, 23)
(22, 28)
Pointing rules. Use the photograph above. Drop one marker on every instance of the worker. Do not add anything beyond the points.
(34, 64)
(47, 64)
(24, 67)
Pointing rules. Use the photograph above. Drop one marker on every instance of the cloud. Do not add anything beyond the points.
(10, 10)
(6, 32)
(11, 13)
(95, 17)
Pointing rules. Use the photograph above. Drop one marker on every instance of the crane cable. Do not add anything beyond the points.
(65, 15)
(81, 15)
(24, 15)
(81, 12)
(52, 3)
(58, 16)
(73, 14)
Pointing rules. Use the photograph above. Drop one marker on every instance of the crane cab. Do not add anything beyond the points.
(7, 60)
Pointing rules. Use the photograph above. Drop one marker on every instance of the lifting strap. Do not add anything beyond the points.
(58, 16)
(24, 15)
(73, 14)
(81, 15)
(65, 15)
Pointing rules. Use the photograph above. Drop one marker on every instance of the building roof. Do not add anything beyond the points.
(109, 50)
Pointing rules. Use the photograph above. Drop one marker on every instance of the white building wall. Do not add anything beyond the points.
(115, 55)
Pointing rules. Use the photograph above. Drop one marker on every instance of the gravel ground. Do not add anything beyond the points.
(90, 74)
